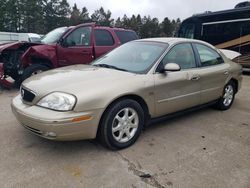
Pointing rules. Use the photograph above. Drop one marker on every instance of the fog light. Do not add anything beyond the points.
(50, 134)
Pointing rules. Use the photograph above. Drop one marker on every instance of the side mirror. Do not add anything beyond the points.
(172, 67)
(63, 42)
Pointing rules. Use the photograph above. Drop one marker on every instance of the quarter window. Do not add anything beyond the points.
(181, 54)
(208, 56)
(103, 38)
(79, 37)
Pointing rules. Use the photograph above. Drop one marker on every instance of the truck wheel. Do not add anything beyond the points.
(33, 70)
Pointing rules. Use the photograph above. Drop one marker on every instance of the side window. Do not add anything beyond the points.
(103, 38)
(79, 37)
(208, 56)
(181, 54)
(126, 36)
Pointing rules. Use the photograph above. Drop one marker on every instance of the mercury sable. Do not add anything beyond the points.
(115, 96)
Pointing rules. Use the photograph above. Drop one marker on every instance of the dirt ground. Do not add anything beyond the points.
(205, 148)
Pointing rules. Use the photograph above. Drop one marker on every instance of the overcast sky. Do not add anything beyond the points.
(156, 8)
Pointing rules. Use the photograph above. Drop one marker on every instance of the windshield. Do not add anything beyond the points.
(136, 57)
(54, 35)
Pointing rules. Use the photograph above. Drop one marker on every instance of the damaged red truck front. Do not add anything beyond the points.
(63, 46)
(10, 61)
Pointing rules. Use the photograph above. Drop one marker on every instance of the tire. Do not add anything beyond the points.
(116, 131)
(18, 82)
(33, 70)
(226, 100)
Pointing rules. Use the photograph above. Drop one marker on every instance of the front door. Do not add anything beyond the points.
(76, 48)
(175, 91)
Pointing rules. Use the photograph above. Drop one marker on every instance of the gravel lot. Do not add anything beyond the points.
(206, 148)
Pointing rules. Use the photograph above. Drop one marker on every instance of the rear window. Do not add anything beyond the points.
(126, 36)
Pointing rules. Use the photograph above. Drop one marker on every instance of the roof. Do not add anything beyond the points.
(208, 13)
(170, 40)
(104, 27)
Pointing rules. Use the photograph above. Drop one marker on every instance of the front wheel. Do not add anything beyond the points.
(122, 124)
(226, 101)
(33, 70)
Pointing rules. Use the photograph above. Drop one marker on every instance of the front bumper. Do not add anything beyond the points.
(56, 125)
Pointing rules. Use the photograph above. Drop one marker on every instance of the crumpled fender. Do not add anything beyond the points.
(40, 51)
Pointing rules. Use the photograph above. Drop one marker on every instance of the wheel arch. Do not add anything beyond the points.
(43, 61)
(134, 97)
(235, 81)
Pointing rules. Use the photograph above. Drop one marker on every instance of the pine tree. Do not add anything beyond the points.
(118, 22)
(75, 16)
(63, 12)
(42, 16)
(2, 14)
(102, 18)
(84, 16)
(166, 28)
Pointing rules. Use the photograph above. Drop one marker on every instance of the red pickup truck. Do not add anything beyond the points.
(63, 46)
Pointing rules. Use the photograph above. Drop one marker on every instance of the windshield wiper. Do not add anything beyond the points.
(110, 67)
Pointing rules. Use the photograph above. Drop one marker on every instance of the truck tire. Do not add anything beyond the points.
(33, 70)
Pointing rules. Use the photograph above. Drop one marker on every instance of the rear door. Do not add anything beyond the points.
(76, 48)
(213, 72)
(103, 41)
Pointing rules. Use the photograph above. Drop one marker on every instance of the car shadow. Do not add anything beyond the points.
(70, 148)
(169, 120)
(60, 146)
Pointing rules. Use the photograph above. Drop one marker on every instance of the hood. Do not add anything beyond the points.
(42, 48)
(94, 87)
(11, 45)
(79, 80)
(15, 45)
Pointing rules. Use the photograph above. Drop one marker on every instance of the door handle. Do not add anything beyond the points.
(226, 72)
(195, 78)
(85, 52)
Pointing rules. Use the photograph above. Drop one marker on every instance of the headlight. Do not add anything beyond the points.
(58, 101)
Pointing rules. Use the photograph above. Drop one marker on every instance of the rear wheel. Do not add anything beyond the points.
(122, 124)
(226, 101)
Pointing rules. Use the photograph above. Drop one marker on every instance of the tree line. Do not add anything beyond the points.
(41, 16)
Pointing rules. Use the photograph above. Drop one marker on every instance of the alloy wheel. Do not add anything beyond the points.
(228, 95)
(125, 125)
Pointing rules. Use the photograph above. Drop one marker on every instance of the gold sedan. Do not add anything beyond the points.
(119, 93)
